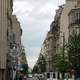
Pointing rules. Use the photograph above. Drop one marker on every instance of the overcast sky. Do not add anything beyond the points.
(35, 17)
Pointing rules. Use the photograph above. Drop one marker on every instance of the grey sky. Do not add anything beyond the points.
(35, 17)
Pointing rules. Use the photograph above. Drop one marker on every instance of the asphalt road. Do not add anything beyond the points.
(34, 78)
(29, 78)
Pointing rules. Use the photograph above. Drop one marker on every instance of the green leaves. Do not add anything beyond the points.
(61, 63)
(25, 68)
(74, 50)
(42, 64)
(64, 64)
(35, 69)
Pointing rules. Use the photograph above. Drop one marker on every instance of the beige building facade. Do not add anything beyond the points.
(49, 50)
(65, 19)
(50, 46)
(10, 34)
(14, 33)
(66, 22)
(4, 6)
(74, 21)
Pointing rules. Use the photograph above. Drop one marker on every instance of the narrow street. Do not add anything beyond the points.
(39, 39)
(33, 78)
(29, 78)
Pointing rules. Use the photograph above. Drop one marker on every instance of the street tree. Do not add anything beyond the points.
(35, 69)
(25, 68)
(74, 51)
(61, 63)
(42, 64)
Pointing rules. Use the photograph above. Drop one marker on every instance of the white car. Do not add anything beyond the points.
(35, 78)
(55, 76)
(52, 75)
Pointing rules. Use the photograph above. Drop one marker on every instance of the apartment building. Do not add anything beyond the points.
(69, 15)
(50, 46)
(10, 33)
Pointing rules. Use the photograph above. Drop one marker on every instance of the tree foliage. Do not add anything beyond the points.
(35, 69)
(42, 64)
(61, 63)
(74, 50)
(25, 68)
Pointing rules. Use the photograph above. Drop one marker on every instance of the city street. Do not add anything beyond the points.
(39, 39)
(33, 78)
(30, 79)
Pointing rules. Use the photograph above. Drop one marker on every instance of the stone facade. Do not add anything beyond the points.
(51, 43)
(74, 21)
(60, 30)
(10, 33)
(49, 50)
(4, 7)
(3, 31)
(14, 33)
(16, 30)
(64, 24)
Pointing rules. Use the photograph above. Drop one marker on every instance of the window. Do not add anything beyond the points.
(77, 18)
(74, 17)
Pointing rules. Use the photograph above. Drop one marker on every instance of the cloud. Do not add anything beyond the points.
(35, 17)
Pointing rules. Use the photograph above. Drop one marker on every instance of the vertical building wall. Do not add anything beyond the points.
(8, 26)
(64, 20)
(48, 51)
(59, 30)
(3, 35)
(17, 31)
(51, 43)
(3, 38)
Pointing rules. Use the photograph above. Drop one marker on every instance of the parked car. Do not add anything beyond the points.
(52, 75)
(30, 75)
(56, 76)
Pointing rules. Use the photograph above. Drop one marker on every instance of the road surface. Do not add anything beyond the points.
(34, 78)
